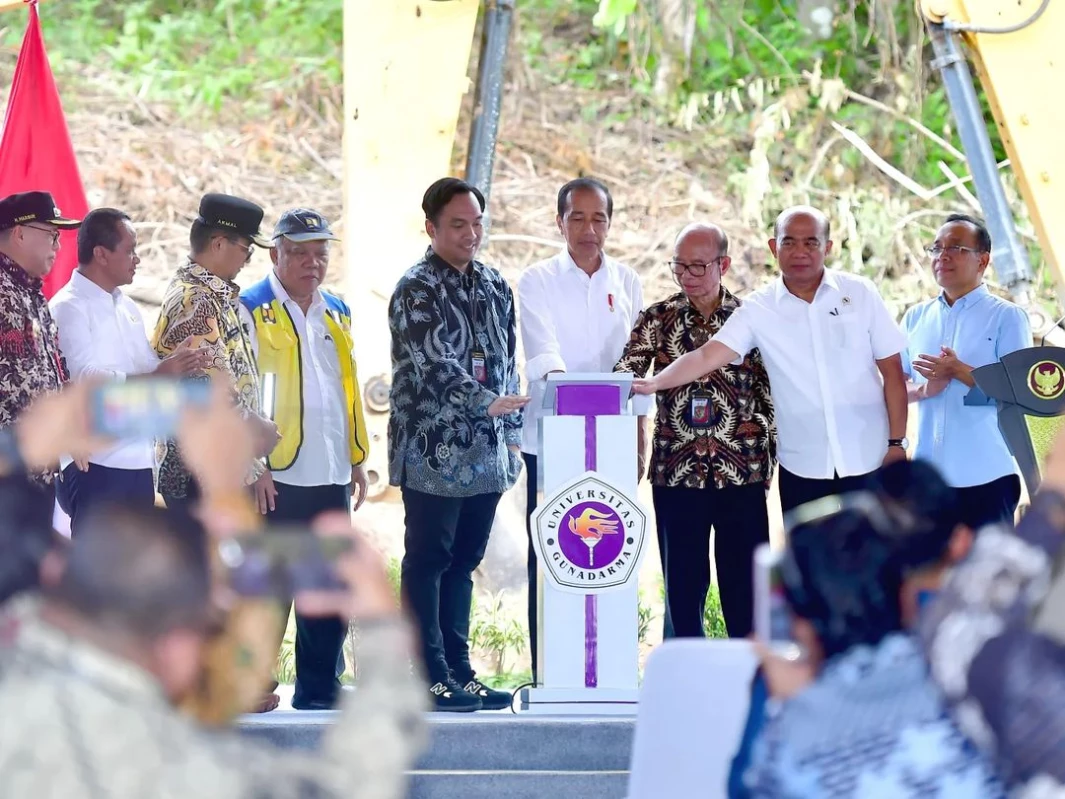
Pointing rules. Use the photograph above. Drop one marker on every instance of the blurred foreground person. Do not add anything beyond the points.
(932, 539)
(858, 715)
(90, 676)
(995, 641)
(32, 549)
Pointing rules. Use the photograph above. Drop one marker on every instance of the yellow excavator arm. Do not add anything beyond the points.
(1014, 50)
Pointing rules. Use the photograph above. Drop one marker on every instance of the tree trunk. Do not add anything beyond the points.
(675, 33)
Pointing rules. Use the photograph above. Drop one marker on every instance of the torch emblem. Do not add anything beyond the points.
(590, 526)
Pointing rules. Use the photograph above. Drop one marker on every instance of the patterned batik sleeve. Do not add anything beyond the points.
(642, 348)
(13, 346)
(1004, 682)
(191, 317)
(417, 321)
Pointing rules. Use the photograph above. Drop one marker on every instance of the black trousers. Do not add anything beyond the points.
(740, 520)
(990, 502)
(78, 491)
(444, 541)
(319, 640)
(796, 491)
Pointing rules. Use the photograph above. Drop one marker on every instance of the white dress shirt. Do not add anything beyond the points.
(102, 335)
(573, 322)
(821, 361)
(325, 455)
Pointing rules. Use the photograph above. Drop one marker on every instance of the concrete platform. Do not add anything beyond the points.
(491, 753)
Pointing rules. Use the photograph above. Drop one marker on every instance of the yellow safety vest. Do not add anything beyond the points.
(279, 354)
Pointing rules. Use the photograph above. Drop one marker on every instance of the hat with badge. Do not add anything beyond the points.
(33, 206)
(235, 214)
(303, 224)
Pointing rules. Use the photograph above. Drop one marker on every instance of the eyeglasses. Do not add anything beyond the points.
(248, 249)
(695, 270)
(54, 234)
(936, 250)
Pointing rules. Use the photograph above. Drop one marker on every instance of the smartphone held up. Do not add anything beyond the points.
(145, 408)
(283, 561)
(772, 618)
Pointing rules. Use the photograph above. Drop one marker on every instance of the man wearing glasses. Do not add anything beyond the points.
(30, 359)
(965, 327)
(201, 309)
(714, 445)
(833, 354)
(576, 311)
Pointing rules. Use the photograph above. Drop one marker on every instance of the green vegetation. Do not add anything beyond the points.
(201, 54)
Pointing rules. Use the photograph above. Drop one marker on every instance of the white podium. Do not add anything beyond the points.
(589, 533)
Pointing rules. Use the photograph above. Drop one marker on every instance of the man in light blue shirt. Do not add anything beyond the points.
(965, 327)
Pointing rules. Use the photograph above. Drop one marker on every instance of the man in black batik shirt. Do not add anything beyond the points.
(454, 432)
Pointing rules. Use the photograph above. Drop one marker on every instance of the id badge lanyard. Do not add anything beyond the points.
(478, 361)
(701, 406)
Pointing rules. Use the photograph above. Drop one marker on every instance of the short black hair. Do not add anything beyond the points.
(102, 227)
(983, 236)
(200, 235)
(584, 183)
(444, 191)
(144, 571)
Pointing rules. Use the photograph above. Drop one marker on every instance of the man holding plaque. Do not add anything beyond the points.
(714, 445)
(301, 337)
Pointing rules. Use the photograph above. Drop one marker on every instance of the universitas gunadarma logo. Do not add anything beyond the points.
(1046, 380)
(589, 536)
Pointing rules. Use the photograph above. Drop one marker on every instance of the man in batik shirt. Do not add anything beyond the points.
(454, 434)
(30, 359)
(714, 446)
(201, 307)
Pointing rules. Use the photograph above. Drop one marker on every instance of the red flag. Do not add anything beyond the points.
(35, 152)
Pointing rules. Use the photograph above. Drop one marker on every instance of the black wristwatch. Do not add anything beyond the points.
(899, 442)
(9, 451)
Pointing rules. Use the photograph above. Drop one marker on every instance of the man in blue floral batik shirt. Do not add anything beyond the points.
(454, 433)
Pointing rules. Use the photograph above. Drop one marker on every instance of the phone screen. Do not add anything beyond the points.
(772, 618)
(147, 408)
(282, 561)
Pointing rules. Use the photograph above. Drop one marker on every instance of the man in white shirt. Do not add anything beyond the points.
(832, 352)
(301, 338)
(102, 335)
(576, 311)
(962, 329)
